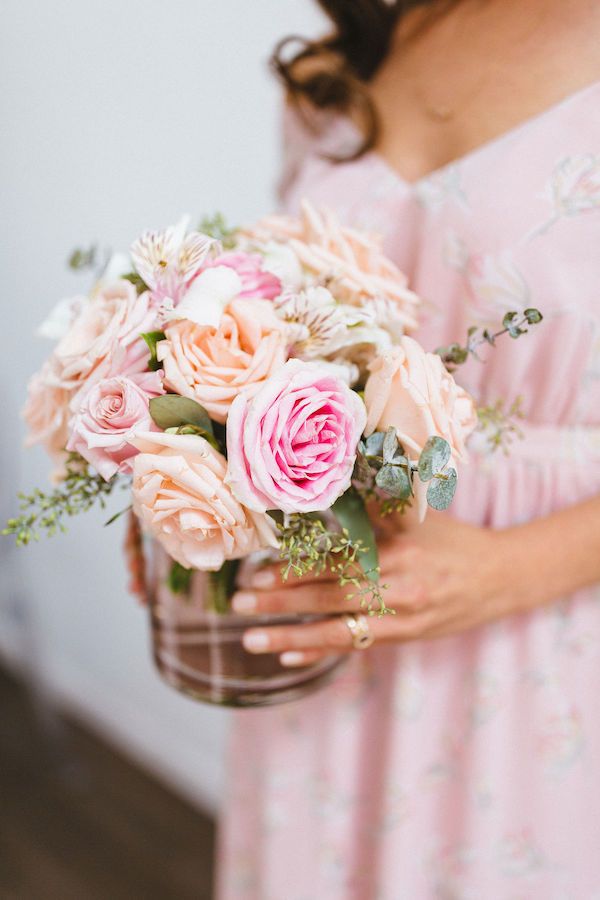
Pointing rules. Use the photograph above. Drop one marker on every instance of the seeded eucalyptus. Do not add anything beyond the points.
(78, 492)
(309, 546)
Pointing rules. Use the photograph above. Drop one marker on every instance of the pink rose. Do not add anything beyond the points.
(104, 337)
(110, 415)
(214, 365)
(180, 495)
(256, 281)
(293, 445)
(350, 263)
(412, 391)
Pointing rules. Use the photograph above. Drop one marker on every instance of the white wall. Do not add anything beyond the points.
(116, 115)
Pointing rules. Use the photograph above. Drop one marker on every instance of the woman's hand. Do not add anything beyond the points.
(442, 576)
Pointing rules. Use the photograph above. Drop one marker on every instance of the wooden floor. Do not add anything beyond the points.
(78, 822)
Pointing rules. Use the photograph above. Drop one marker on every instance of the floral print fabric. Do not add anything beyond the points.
(466, 768)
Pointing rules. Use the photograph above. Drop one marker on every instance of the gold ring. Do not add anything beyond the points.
(358, 626)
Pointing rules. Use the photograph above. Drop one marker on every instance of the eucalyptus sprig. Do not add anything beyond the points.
(383, 464)
(513, 324)
(308, 546)
(46, 513)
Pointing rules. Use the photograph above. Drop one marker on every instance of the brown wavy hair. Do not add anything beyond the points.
(332, 73)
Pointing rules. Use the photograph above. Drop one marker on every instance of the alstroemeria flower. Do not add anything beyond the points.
(168, 260)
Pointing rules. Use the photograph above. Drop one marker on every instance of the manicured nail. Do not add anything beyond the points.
(264, 578)
(256, 641)
(243, 602)
(292, 658)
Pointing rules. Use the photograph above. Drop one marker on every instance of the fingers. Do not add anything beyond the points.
(269, 577)
(317, 598)
(333, 635)
(330, 634)
(293, 659)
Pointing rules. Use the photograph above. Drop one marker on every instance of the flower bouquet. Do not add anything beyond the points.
(255, 390)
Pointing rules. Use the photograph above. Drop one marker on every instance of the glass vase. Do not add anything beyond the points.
(197, 643)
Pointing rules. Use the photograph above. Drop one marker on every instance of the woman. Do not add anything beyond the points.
(466, 766)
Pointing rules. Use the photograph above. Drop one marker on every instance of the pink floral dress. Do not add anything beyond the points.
(466, 768)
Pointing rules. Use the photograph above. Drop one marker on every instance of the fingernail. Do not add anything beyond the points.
(243, 602)
(292, 658)
(264, 578)
(256, 641)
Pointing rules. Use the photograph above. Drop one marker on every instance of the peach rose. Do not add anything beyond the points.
(412, 391)
(180, 496)
(104, 337)
(214, 365)
(349, 262)
(46, 412)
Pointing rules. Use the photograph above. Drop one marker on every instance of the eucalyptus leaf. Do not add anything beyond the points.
(390, 444)
(362, 469)
(374, 444)
(533, 316)
(441, 490)
(394, 480)
(152, 338)
(173, 411)
(433, 458)
(400, 459)
(351, 513)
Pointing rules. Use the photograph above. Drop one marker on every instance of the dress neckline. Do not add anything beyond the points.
(376, 156)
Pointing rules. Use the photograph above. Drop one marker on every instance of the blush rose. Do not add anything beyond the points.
(111, 413)
(293, 445)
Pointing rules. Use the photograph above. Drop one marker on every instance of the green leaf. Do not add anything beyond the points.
(394, 480)
(533, 316)
(512, 326)
(173, 411)
(374, 444)
(152, 338)
(362, 469)
(221, 586)
(137, 281)
(433, 458)
(441, 490)
(390, 444)
(179, 579)
(351, 513)
(117, 515)
(453, 353)
(81, 258)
